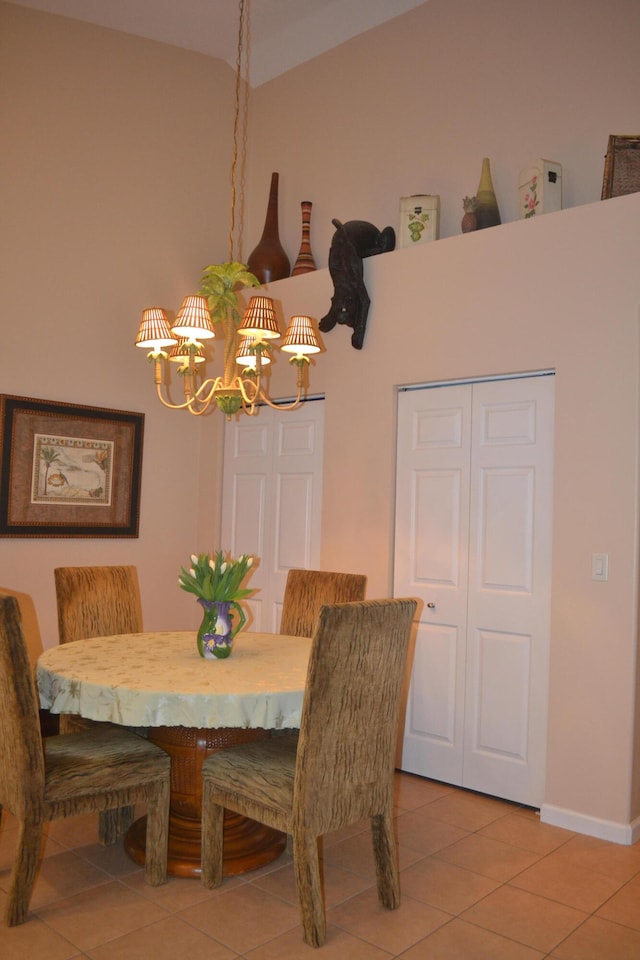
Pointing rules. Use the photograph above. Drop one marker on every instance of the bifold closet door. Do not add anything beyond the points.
(272, 499)
(473, 541)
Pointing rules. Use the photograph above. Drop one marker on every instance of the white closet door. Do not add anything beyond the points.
(431, 562)
(272, 499)
(473, 540)
(509, 588)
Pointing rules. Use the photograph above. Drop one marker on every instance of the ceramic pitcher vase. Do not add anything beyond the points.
(217, 630)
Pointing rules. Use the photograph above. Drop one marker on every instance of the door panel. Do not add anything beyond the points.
(434, 724)
(500, 667)
(436, 497)
(294, 526)
(505, 537)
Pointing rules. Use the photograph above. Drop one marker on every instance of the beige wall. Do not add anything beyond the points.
(412, 107)
(456, 309)
(111, 207)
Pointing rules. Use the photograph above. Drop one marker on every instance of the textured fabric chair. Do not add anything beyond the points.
(63, 776)
(49, 722)
(307, 590)
(340, 770)
(97, 602)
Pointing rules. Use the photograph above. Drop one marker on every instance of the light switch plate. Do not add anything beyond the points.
(600, 566)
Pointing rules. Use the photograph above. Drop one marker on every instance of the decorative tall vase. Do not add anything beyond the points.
(305, 262)
(217, 632)
(268, 261)
(487, 213)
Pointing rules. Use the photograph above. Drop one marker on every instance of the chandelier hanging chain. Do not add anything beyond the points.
(244, 127)
(236, 126)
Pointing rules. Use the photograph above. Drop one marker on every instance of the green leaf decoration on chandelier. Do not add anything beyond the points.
(219, 284)
(229, 405)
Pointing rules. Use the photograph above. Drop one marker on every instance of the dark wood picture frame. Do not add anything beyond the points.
(621, 167)
(68, 470)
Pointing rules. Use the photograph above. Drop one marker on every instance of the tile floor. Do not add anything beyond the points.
(481, 878)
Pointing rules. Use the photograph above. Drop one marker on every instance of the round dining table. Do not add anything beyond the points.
(191, 707)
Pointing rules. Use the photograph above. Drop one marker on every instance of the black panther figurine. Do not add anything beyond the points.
(351, 242)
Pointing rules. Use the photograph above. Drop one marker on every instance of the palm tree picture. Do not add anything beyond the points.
(49, 456)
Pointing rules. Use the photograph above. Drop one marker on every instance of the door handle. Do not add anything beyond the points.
(431, 605)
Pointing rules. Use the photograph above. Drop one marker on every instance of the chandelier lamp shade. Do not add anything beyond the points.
(194, 320)
(259, 320)
(154, 330)
(242, 388)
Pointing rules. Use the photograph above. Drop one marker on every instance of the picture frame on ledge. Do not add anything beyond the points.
(621, 167)
(68, 470)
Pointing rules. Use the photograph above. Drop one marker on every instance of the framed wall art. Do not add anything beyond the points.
(68, 470)
(621, 167)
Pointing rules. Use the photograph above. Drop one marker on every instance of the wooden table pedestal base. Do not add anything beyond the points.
(247, 844)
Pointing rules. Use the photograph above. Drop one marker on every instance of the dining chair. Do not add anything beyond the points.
(307, 590)
(339, 771)
(62, 776)
(97, 602)
(49, 722)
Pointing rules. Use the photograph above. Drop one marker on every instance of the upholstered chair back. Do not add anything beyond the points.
(307, 590)
(97, 601)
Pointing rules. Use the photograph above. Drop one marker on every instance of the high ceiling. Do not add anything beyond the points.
(284, 33)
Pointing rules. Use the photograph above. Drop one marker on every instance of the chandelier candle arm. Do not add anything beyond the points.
(154, 332)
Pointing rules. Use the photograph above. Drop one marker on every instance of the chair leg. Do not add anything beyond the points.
(157, 834)
(386, 860)
(306, 861)
(24, 870)
(112, 824)
(212, 839)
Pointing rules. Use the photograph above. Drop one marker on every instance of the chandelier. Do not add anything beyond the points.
(249, 346)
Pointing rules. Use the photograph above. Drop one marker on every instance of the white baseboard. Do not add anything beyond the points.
(623, 833)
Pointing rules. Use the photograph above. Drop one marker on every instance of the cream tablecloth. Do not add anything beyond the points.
(158, 679)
